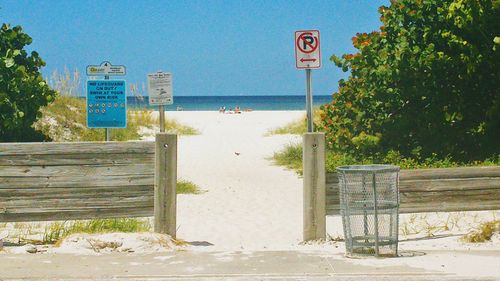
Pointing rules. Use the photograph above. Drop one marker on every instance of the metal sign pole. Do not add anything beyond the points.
(107, 131)
(309, 101)
(162, 118)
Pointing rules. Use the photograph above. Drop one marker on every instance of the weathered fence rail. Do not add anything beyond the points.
(437, 190)
(61, 181)
(421, 190)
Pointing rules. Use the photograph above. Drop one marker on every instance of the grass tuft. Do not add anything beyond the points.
(290, 156)
(484, 233)
(187, 187)
(57, 231)
(297, 127)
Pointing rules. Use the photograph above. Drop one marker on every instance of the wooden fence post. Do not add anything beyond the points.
(314, 186)
(165, 203)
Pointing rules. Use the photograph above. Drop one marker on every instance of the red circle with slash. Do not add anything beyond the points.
(307, 40)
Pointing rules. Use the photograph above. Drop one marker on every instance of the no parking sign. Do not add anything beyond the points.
(307, 50)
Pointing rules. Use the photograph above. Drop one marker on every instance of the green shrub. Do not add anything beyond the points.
(426, 84)
(291, 157)
(22, 89)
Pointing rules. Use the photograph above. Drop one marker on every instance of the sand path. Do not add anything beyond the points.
(249, 203)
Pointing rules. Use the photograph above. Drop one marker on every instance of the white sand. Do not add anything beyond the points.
(249, 204)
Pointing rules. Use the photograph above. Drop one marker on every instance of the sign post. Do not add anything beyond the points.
(160, 93)
(106, 99)
(308, 56)
(107, 132)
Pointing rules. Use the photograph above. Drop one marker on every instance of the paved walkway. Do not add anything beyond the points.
(265, 265)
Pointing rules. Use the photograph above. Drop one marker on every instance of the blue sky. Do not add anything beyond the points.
(211, 47)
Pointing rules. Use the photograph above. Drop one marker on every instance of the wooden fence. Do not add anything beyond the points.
(62, 181)
(437, 190)
(422, 190)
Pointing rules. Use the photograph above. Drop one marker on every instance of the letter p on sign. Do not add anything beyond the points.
(307, 50)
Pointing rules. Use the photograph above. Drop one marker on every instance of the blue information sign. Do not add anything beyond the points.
(106, 104)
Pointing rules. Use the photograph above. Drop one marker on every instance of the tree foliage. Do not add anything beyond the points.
(426, 83)
(22, 89)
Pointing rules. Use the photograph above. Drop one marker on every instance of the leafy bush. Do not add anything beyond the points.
(426, 84)
(22, 89)
(291, 157)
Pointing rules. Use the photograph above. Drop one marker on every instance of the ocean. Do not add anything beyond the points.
(210, 103)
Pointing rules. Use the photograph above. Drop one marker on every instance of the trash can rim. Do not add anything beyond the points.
(368, 168)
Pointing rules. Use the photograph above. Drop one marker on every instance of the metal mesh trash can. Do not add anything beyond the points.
(369, 205)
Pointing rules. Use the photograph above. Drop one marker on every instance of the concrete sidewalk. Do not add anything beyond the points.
(184, 265)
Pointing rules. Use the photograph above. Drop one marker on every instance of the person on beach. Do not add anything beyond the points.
(237, 110)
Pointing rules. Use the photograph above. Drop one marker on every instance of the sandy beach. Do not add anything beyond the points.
(247, 204)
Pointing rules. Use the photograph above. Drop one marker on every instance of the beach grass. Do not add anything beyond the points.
(290, 157)
(296, 127)
(483, 233)
(187, 187)
(57, 231)
(65, 119)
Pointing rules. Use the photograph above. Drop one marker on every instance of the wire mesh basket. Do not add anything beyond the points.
(369, 205)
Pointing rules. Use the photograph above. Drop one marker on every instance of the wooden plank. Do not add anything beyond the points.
(10, 194)
(429, 190)
(436, 185)
(464, 196)
(332, 178)
(333, 210)
(76, 159)
(314, 224)
(441, 201)
(53, 204)
(442, 173)
(450, 173)
(60, 181)
(78, 214)
(449, 207)
(53, 148)
(70, 171)
(165, 187)
(80, 181)
(449, 184)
